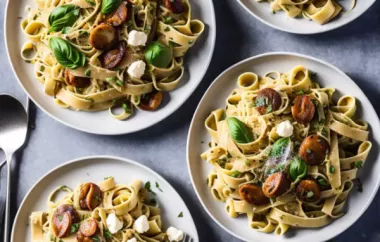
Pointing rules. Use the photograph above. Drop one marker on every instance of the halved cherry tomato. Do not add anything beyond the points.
(267, 101)
(76, 81)
(308, 191)
(82, 238)
(103, 36)
(63, 217)
(175, 6)
(151, 101)
(276, 184)
(112, 58)
(90, 196)
(313, 149)
(253, 194)
(303, 109)
(118, 17)
(88, 227)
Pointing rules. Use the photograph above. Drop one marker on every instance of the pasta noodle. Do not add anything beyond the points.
(89, 207)
(93, 73)
(320, 11)
(283, 152)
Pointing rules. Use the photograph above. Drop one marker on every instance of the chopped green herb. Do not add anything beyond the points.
(119, 83)
(173, 44)
(158, 186)
(235, 174)
(107, 234)
(42, 68)
(180, 215)
(310, 194)
(274, 12)
(147, 187)
(108, 177)
(89, 99)
(229, 155)
(168, 20)
(66, 30)
(95, 238)
(222, 162)
(167, 29)
(332, 169)
(126, 108)
(87, 73)
(358, 164)
(91, 2)
(74, 228)
(35, 17)
(111, 79)
(191, 42)
(247, 163)
(322, 181)
(114, 101)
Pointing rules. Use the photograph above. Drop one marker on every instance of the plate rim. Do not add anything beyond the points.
(299, 31)
(193, 121)
(92, 157)
(177, 105)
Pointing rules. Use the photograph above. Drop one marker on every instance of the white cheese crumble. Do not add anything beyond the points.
(174, 234)
(285, 129)
(141, 224)
(137, 38)
(132, 240)
(137, 69)
(113, 223)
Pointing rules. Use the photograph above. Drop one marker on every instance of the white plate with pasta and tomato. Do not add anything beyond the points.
(278, 150)
(109, 66)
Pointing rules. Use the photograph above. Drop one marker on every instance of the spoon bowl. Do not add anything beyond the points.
(13, 129)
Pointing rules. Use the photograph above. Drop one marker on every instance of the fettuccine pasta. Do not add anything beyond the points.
(319, 11)
(95, 55)
(101, 212)
(284, 153)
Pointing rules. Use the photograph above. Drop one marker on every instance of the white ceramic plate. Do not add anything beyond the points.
(327, 75)
(196, 64)
(94, 169)
(261, 11)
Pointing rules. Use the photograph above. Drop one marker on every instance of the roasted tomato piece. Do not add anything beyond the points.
(82, 238)
(118, 17)
(267, 101)
(175, 6)
(308, 191)
(64, 216)
(76, 81)
(303, 109)
(276, 184)
(112, 58)
(151, 101)
(253, 194)
(103, 36)
(313, 149)
(90, 196)
(88, 227)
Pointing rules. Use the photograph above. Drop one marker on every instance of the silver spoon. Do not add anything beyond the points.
(13, 127)
(2, 163)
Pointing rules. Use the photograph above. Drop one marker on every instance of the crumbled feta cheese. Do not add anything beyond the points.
(174, 234)
(132, 240)
(141, 224)
(137, 69)
(136, 38)
(113, 223)
(285, 129)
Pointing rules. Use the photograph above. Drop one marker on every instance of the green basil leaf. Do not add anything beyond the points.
(297, 169)
(158, 54)
(239, 131)
(279, 147)
(108, 6)
(63, 16)
(66, 54)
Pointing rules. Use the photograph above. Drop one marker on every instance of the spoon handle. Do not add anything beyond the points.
(8, 201)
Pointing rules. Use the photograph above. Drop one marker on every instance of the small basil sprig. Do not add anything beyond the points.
(158, 54)
(239, 131)
(63, 16)
(279, 147)
(108, 6)
(66, 54)
(297, 169)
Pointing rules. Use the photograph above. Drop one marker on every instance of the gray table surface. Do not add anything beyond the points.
(354, 48)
